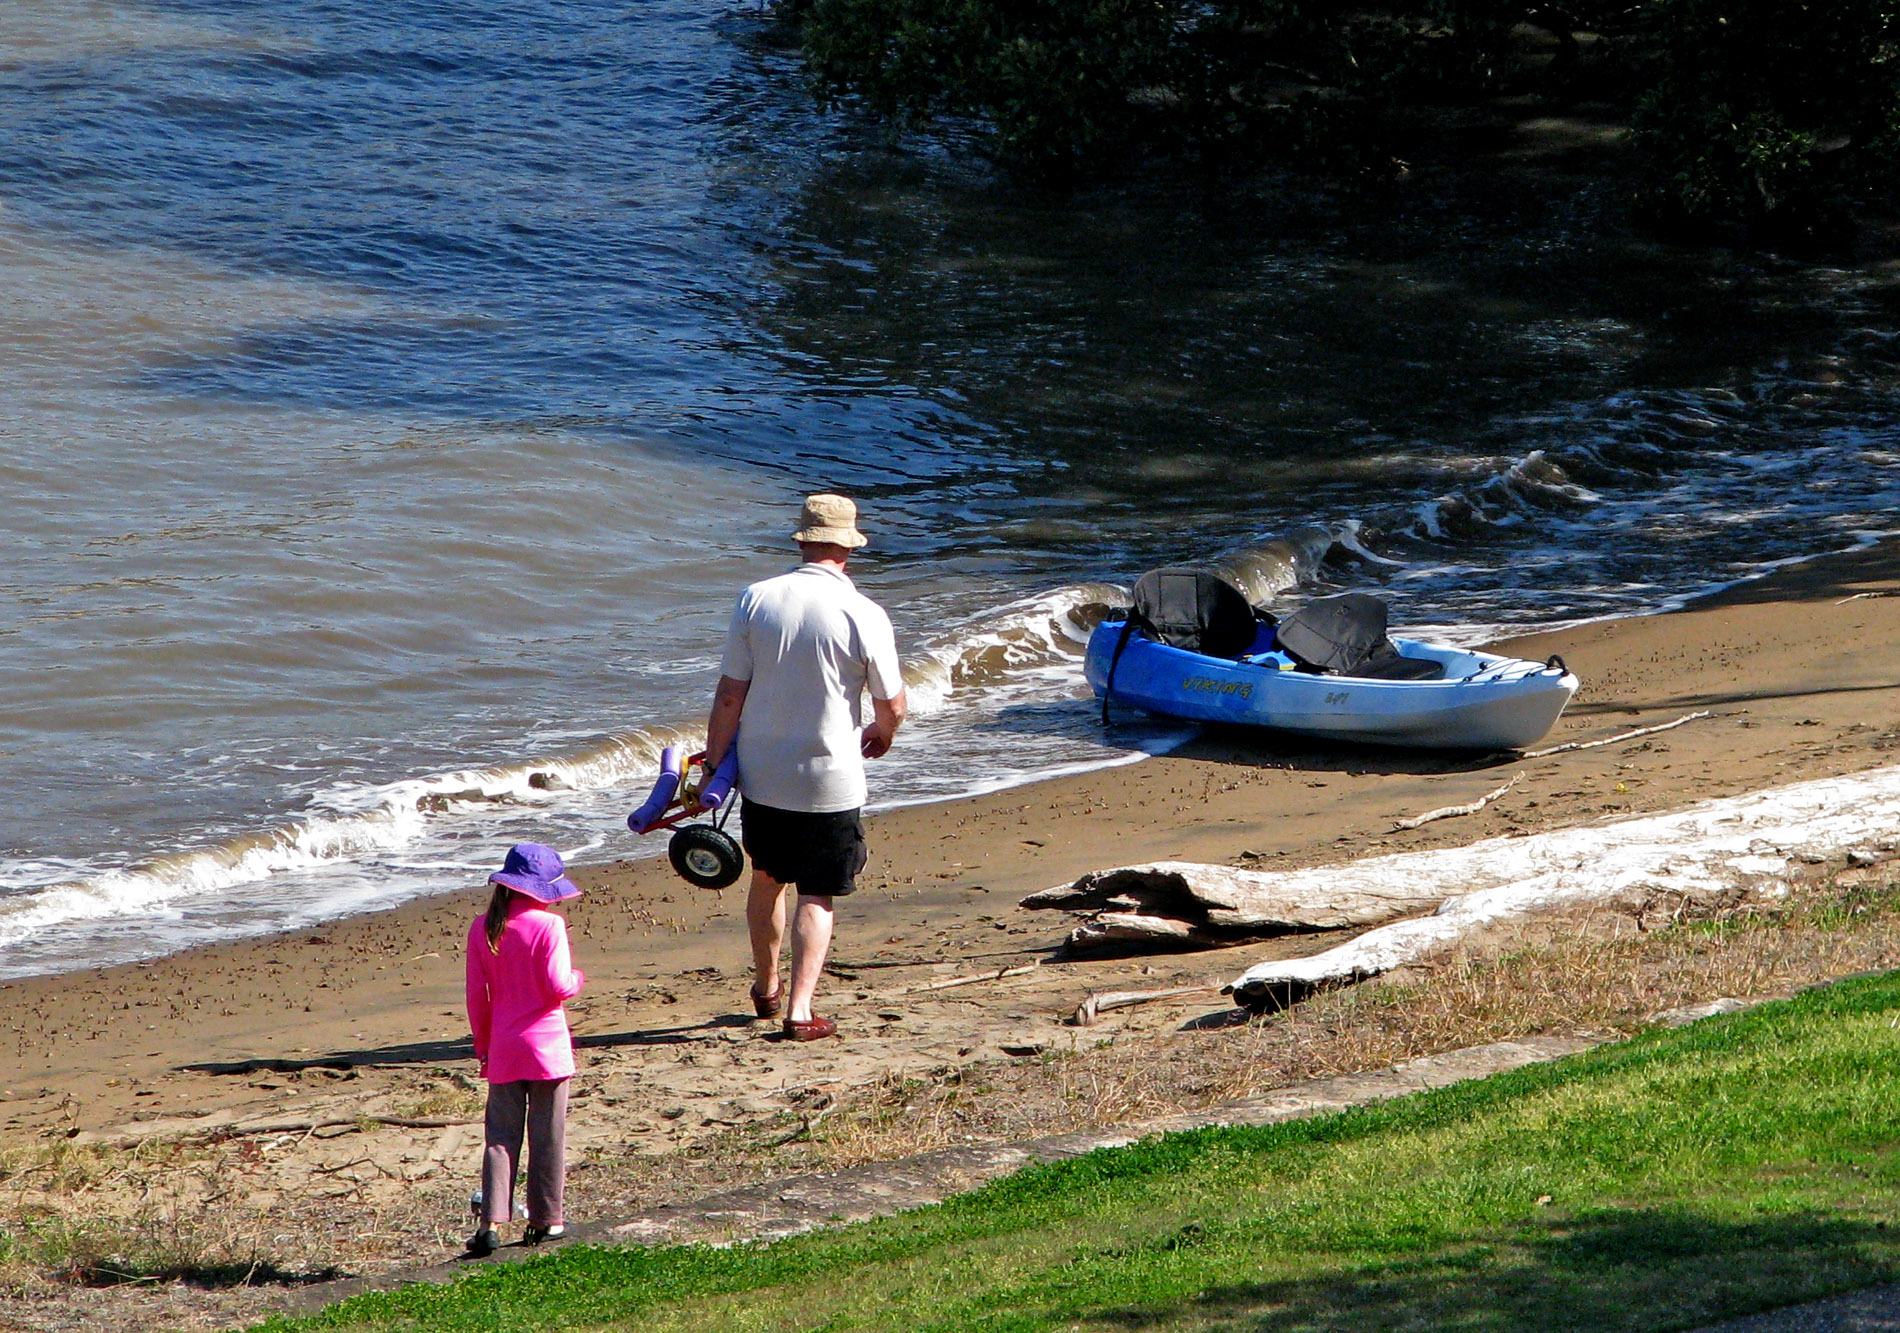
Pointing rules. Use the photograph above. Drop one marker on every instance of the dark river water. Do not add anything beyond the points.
(397, 395)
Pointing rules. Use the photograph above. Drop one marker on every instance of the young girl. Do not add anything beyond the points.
(519, 975)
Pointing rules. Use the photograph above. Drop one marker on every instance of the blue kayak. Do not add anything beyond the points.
(1479, 702)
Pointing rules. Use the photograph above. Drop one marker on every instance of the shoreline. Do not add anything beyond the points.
(1084, 769)
(534, 770)
(648, 900)
(358, 1023)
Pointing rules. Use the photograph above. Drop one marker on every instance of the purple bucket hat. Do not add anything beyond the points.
(536, 870)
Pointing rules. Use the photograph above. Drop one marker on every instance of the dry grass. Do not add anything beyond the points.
(148, 1214)
(445, 1101)
(1604, 972)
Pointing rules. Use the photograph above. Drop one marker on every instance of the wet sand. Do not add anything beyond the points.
(354, 1031)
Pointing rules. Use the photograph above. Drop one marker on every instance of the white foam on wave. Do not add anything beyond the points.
(1504, 496)
(361, 821)
(1023, 636)
(163, 879)
(1163, 741)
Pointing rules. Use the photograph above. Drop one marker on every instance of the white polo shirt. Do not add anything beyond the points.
(809, 643)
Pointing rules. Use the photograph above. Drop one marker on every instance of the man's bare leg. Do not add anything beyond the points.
(765, 922)
(811, 944)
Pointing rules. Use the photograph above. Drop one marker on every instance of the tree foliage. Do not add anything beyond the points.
(1769, 116)
(1056, 82)
(1072, 84)
(1750, 113)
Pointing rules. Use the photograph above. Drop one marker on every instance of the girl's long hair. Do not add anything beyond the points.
(497, 920)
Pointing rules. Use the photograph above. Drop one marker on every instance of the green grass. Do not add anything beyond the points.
(1664, 1182)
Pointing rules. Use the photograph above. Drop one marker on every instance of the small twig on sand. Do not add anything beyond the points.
(1469, 808)
(311, 1126)
(842, 965)
(1086, 1012)
(837, 964)
(1612, 740)
(997, 975)
(1855, 597)
(307, 1127)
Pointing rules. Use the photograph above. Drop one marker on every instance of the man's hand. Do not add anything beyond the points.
(887, 716)
(698, 807)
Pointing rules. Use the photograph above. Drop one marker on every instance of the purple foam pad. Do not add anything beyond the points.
(719, 787)
(654, 808)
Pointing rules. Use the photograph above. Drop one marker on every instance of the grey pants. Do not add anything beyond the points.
(538, 1106)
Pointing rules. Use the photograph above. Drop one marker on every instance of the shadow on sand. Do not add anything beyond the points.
(417, 1053)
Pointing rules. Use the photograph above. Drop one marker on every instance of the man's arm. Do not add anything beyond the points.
(735, 678)
(887, 715)
(722, 724)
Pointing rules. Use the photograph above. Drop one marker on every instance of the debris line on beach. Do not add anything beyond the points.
(1744, 846)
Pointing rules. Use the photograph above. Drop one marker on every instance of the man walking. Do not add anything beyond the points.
(800, 653)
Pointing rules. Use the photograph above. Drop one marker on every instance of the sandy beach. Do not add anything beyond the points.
(333, 1064)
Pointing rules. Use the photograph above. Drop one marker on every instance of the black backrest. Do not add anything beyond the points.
(1334, 633)
(1193, 609)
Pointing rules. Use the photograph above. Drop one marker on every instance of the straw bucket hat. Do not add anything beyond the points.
(829, 518)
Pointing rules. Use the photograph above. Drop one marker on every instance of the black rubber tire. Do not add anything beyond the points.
(706, 857)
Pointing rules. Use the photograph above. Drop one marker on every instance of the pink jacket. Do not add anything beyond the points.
(515, 995)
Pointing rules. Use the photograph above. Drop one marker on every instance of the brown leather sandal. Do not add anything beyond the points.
(809, 1029)
(767, 1006)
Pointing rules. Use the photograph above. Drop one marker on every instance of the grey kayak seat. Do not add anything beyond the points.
(1346, 636)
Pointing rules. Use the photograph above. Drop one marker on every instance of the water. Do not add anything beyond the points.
(396, 396)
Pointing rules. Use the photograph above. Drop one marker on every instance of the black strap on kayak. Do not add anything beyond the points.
(1121, 642)
(1556, 663)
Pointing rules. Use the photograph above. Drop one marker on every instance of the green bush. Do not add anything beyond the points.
(1769, 117)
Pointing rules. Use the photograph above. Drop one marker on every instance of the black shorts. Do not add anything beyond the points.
(821, 854)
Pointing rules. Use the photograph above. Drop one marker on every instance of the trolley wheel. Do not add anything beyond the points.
(705, 856)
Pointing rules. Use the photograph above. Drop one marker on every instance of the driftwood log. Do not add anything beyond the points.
(1101, 1002)
(1185, 904)
(1732, 849)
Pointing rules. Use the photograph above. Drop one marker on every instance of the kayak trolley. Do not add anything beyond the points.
(705, 855)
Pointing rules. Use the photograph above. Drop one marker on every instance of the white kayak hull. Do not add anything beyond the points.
(1484, 702)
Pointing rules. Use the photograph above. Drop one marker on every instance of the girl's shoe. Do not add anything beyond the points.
(767, 1006)
(534, 1235)
(484, 1242)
